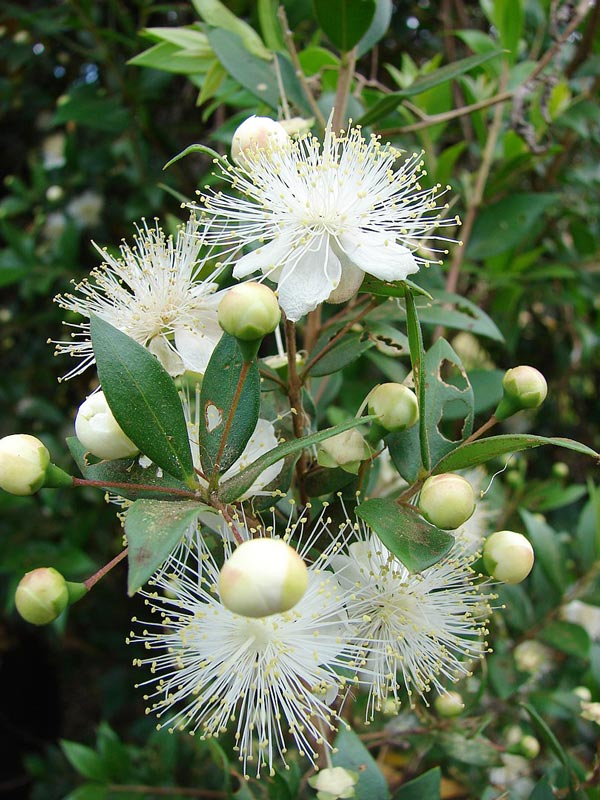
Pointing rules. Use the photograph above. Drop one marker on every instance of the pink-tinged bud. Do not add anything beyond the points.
(395, 406)
(447, 500)
(256, 133)
(41, 596)
(449, 704)
(524, 387)
(99, 432)
(262, 577)
(508, 556)
(249, 311)
(24, 461)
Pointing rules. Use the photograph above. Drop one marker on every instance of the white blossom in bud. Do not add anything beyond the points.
(41, 596)
(256, 133)
(591, 712)
(346, 450)
(334, 783)
(447, 500)
(24, 461)
(262, 577)
(99, 432)
(583, 693)
(508, 556)
(449, 704)
(395, 406)
(524, 387)
(249, 311)
(529, 747)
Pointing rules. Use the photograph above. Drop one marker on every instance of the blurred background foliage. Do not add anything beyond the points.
(95, 98)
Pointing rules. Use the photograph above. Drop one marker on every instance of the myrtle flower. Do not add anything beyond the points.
(423, 628)
(266, 678)
(154, 294)
(323, 216)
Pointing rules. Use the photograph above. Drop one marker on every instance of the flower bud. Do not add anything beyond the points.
(529, 747)
(334, 783)
(560, 470)
(249, 311)
(583, 693)
(449, 704)
(262, 577)
(256, 133)
(447, 500)
(24, 461)
(99, 432)
(395, 406)
(346, 450)
(508, 556)
(591, 712)
(531, 656)
(41, 596)
(524, 387)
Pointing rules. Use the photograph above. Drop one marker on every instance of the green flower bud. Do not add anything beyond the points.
(447, 500)
(508, 556)
(334, 783)
(395, 406)
(560, 469)
(99, 432)
(24, 461)
(262, 577)
(583, 693)
(449, 704)
(346, 450)
(249, 311)
(524, 387)
(256, 133)
(41, 596)
(529, 747)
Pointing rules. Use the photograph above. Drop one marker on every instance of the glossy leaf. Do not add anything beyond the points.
(143, 398)
(415, 344)
(351, 754)
(378, 27)
(345, 21)
(549, 555)
(426, 787)
(459, 313)
(85, 760)
(219, 16)
(344, 352)
(405, 452)
(413, 541)
(171, 58)
(197, 148)
(475, 750)
(154, 528)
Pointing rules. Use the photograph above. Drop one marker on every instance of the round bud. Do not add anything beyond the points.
(447, 500)
(249, 311)
(449, 704)
(531, 656)
(346, 450)
(591, 712)
(395, 406)
(560, 469)
(256, 133)
(508, 556)
(583, 693)
(529, 747)
(524, 387)
(334, 783)
(41, 596)
(24, 461)
(262, 577)
(99, 432)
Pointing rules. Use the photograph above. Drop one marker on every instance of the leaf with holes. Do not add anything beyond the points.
(342, 353)
(458, 313)
(413, 541)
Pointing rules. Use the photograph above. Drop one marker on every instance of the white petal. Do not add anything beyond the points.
(379, 255)
(309, 279)
(350, 282)
(167, 355)
(196, 346)
(266, 258)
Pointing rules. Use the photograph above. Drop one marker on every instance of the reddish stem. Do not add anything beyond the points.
(93, 580)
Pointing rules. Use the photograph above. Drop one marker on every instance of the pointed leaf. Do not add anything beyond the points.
(426, 787)
(351, 754)
(143, 398)
(345, 21)
(218, 15)
(415, 343)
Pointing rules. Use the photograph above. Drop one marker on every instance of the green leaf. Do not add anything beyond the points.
(542, 791)
(343, 352)
(476, 750)
(219, 16)
(415, 343)
(391, 101)
(88, 106)
(548, 553)
(85, 760)
(413, 541)
(469, 455)
(351, 754)
(186, 38)
(547, 735)
(464, 316)
(89, 791)
(378, 27)
(235, 487)
(427, 786)
(154, 528)
(345, 21)
(381, 288)
(269, 24)
(405, 451)
(170, 57)
(143, 398)
(198, 148)
(508, 18)
(229, 406)
(567, 637)
(211, 83)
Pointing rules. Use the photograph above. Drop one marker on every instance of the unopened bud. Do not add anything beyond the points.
(262, 577)
(449, 704)
(447, 500)
(24, 461)
(99, 432)
(346, 450)
(529, 747)
(394, 405)
(249, 311)
(256, 133)
(560, 469)
(297, 125)
(508, 556)
(41, 596)
(524, 387)
(531, 656)
(583, 693)
(334, 783)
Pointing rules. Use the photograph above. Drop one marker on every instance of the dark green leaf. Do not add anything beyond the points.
(322, 481)
(548, 736)
(378, 27)
(89, 791)
(548, 553)
(413, 541)
(405, 452)
(85, 760)
(351, 754)
(426, 787)
(454, 311)
(415, 343)
(196, 148)
(154, 528)
(542, 791)
(87, 106)
(503, 676)
(381, 288)
(229, 406)
(342, 353)
(344, 21)
(476, 750)
(567, 637)
(143, 398)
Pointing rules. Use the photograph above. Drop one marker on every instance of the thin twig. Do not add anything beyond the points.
(141, 487)
(295, 397)
(93, 579)
(345, 75)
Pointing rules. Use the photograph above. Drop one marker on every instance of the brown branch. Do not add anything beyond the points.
(295, 397)
(142, 487)
(93, 580)
(345, 75)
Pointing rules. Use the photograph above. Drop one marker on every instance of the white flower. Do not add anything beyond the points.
(323, 216)
(154, 294)
(583, 614)
(424, 627)
(53, 151)
(266, 678)
(86, 209)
